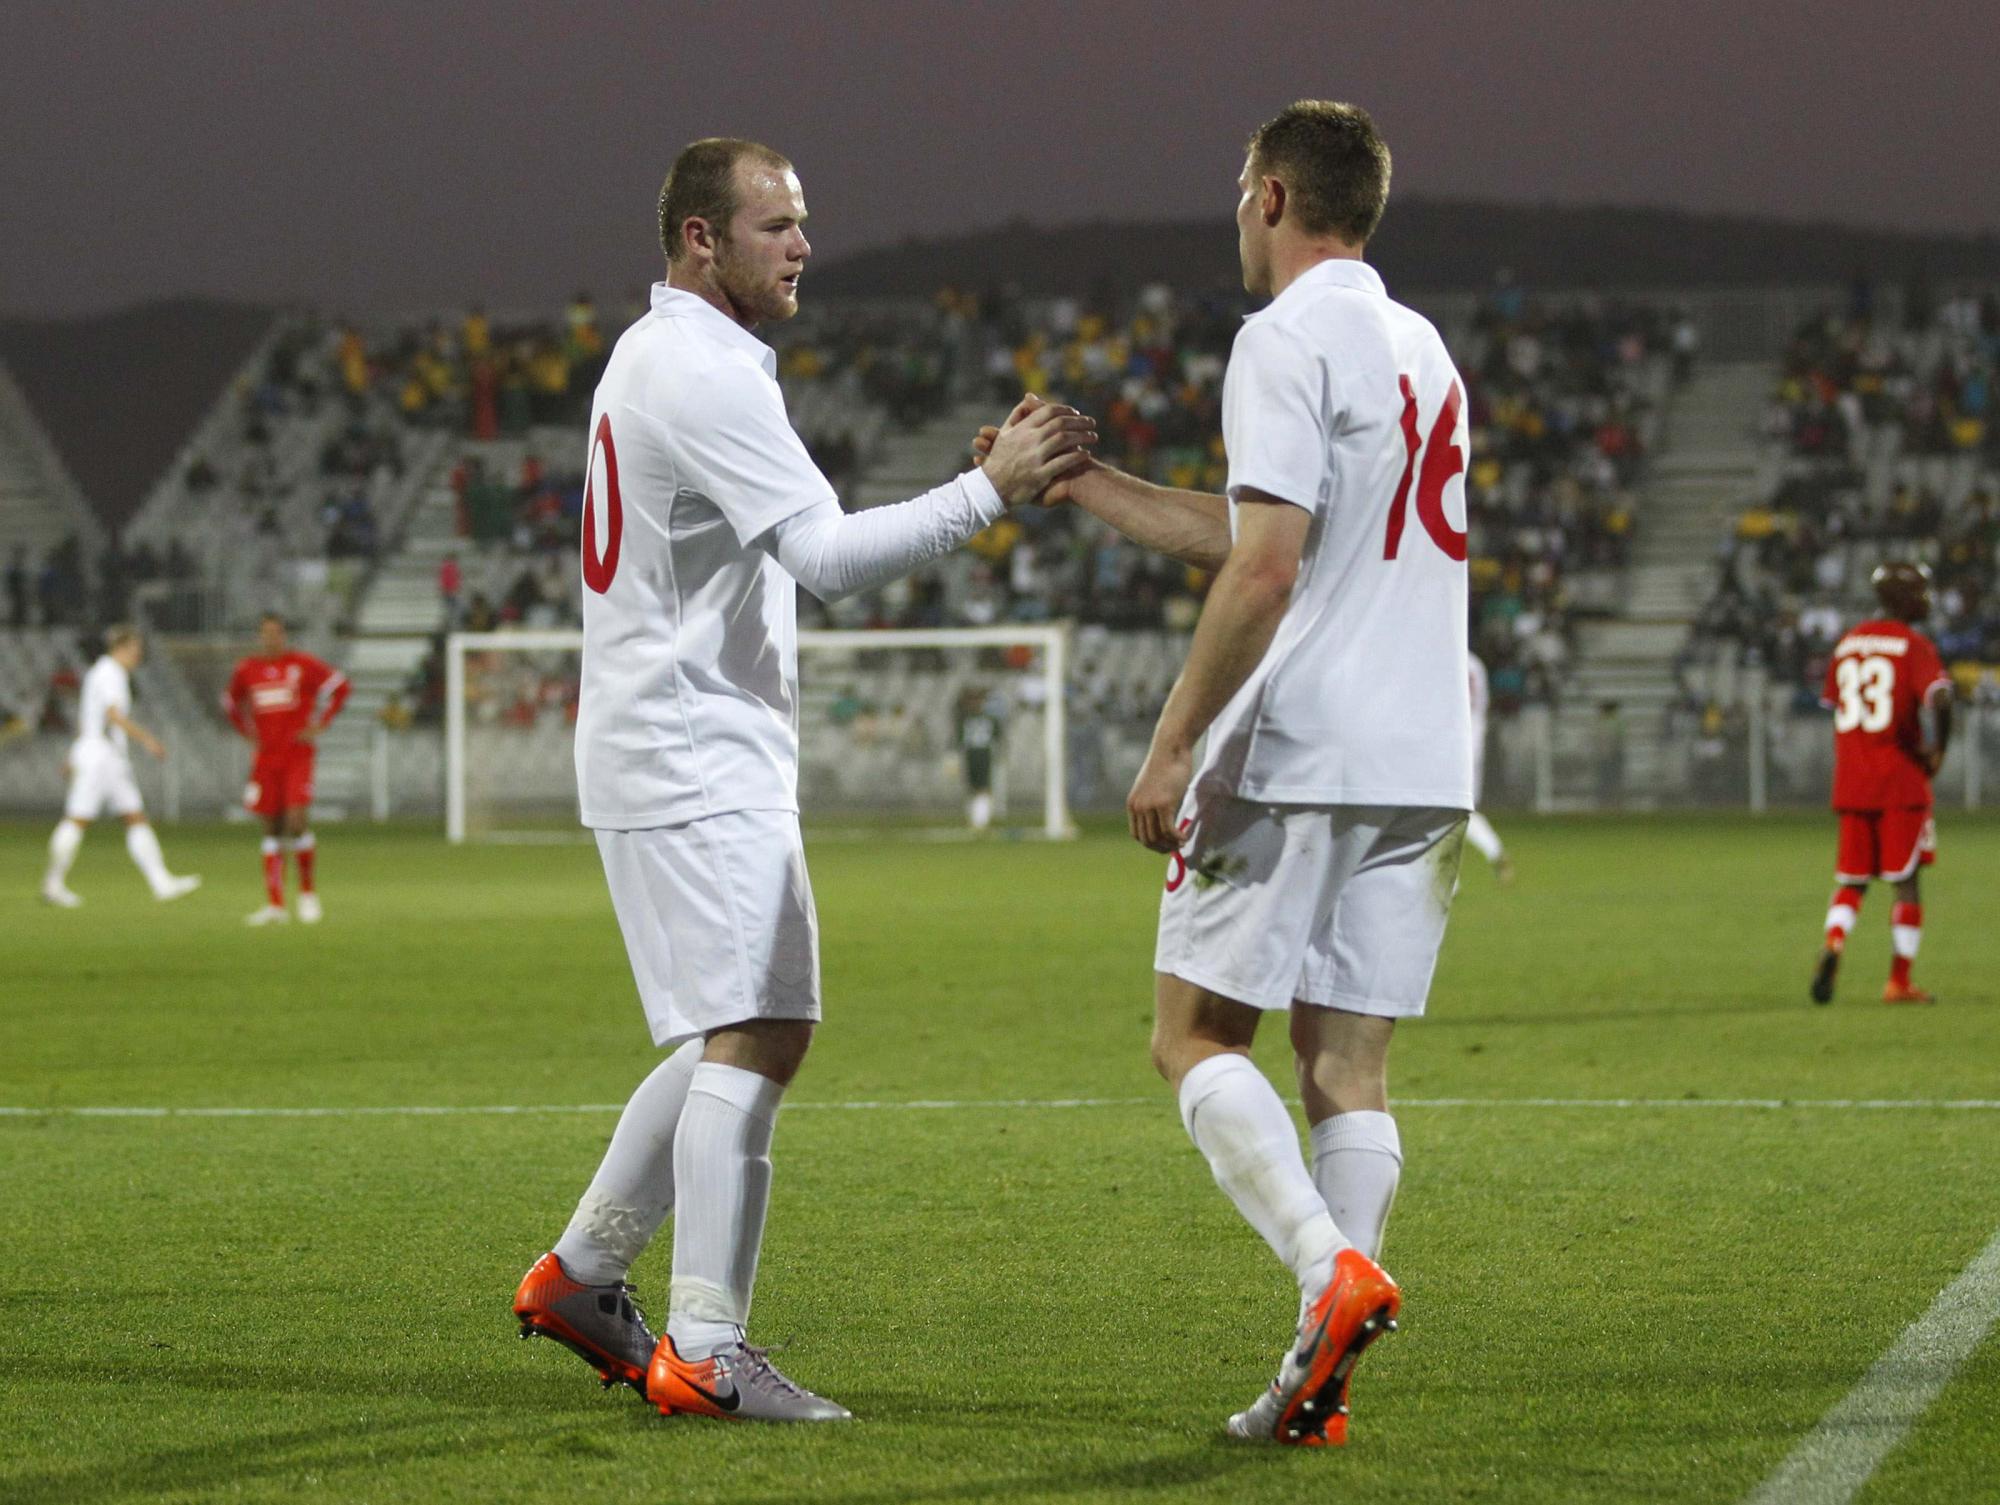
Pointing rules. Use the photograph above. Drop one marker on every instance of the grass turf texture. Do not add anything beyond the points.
(1021, 1304)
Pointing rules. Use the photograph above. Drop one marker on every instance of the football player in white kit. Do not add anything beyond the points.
(100, 774)
(1314, 848)
(701, 512)
(1478, 829)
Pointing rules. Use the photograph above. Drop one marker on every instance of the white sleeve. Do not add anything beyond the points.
(732, 439)
(834, 553)
(1273, 416)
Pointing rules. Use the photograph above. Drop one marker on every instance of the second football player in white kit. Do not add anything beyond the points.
(100, 774)
(1314, 847)
(702, 513)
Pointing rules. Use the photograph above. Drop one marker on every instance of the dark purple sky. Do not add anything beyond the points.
(432, 152)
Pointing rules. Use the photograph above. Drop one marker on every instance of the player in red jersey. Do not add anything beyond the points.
(1891, 703)
(283, 699)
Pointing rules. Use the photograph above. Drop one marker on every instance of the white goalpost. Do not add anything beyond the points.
(891, 724)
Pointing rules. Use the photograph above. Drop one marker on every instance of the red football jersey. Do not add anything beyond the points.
(1880, 673)
(278, 697)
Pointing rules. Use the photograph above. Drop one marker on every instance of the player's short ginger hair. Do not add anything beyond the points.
(118, 634)
(1333, 163)
(702, 185)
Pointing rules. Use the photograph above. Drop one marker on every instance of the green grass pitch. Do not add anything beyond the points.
(1020, 1303)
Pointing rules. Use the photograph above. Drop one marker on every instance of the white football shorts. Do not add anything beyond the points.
(718, 920)
(98, 776)
(1342, 906)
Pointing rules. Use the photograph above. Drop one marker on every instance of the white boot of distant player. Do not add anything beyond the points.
(63, 844)
(979, 811)
(1357, 1160)
(1237, 1120)
(722, 1182)
(144, 848)
(633, 1190)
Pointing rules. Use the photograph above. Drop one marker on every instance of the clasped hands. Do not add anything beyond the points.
(1037, 452)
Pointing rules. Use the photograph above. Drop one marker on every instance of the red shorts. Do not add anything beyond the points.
(280, 779)
(1890, 844)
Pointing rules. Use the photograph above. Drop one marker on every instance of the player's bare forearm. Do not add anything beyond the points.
(136, 732)
(1934, 721)
(1244, 609)
(1191, 526)
(1237, 625)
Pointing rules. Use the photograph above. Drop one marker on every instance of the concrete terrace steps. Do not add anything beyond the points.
(913, 461)
(392, 627)
(1705, 471)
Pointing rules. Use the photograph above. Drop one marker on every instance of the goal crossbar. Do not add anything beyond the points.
(1051, 640)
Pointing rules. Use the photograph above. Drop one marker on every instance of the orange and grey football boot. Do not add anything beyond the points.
(1306, 1405)
(602, 1325)
(1905, 992)
(738, 1383)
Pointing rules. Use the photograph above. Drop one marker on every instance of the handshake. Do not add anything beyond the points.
(1037, 452)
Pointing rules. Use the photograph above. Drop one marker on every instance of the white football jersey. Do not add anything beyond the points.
(1345, 403)
(107, 687)
(689, 698)
(1481, 691)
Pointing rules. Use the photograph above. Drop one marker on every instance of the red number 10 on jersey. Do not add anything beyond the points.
(598, 569)
(1443, 459)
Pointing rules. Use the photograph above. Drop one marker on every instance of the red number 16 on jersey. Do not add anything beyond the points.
(598, 569)
(1443, 459)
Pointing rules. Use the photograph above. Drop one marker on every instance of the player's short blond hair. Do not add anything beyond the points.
(702, 185)
(1333, 163)
(118, 634)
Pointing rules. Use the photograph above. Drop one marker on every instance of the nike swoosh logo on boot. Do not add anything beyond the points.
(727, 1402)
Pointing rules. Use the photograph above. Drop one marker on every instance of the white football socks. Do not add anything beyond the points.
(1238, 1121)
(147, 856)
(722, 1175)
(63, 844)
(633, 1190)
(1357, 1158)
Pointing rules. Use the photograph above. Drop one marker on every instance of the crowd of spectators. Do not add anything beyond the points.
(54, 590)
(1560, 400)
(476, 377)
(1563, 402)
(63, 587)
(1888, 448)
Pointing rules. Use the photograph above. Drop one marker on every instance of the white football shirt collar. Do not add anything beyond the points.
(1335, 271)
(676, 303)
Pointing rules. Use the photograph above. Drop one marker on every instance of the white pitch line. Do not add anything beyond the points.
(1844, 1104)
(1840, 1455)
(1638, 1104)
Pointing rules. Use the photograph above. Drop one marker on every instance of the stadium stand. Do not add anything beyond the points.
(385, 484)
(1879, 442)
(1566, 400)
(50, 528)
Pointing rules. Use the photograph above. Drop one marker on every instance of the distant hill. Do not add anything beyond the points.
(120, 393)
(1434, 245)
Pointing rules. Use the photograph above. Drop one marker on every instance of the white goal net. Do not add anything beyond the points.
(934, 731)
